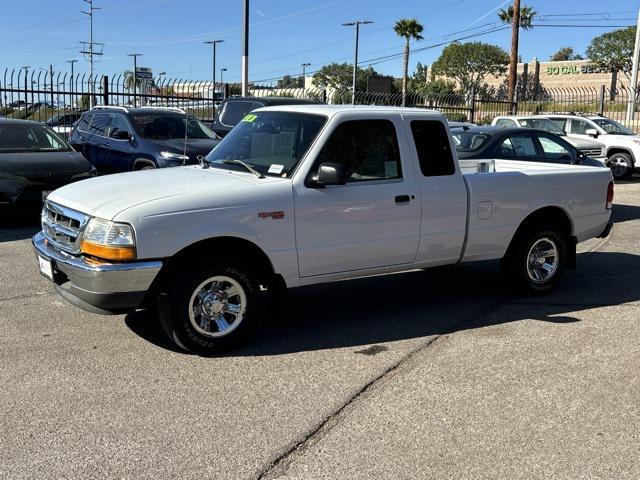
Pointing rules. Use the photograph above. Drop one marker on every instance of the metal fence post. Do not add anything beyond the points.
(602, 94)
(472, 105)
(105, 90)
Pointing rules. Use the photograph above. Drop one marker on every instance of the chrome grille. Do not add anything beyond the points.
(592, 152)
(62, 226)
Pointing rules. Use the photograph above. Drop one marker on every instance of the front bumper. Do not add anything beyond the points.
(104, 288)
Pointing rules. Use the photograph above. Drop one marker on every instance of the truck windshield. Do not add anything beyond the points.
(167, 127)
(612, 127)
(271, 142)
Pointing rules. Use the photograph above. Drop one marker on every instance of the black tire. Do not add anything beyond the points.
(142, 164)
(621, 165)
(520, 270)
(185, 329)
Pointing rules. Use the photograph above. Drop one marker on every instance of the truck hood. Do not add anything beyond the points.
(107, 196)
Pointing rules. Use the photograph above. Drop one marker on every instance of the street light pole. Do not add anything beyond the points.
(357, 24)
(304, 83)
(135, 76)
(213, 70)
(245, 52)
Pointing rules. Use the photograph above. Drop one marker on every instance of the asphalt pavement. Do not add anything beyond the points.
(425, 374)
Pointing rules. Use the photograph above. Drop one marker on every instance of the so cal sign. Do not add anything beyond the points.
(574, 69)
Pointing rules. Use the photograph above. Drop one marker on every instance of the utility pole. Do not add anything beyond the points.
(245, 52)
(304, 65)
(357, 24)
(51, 84)
(513, 60)
(135, 76)
(213, 70)
(90, 45)
(631, 106)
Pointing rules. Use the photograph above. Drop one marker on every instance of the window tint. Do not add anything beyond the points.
(164, 127)
(84, 122)
(505, 122)
(555, 151)
(434, 150)
(234, 111)
(30, 138)
(579, 126)
(99, 124)
(367, 148)
(518, 146)
(118, 124)
(561, 123)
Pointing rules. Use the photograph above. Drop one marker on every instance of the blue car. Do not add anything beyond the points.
(119, 139)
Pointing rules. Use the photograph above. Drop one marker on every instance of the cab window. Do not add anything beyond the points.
(554, 151)
(579, 126)
(433, 147)
(368, 149)
(505, 122)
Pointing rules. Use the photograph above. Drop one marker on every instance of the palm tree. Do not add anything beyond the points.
(409, 28)
(527, 15)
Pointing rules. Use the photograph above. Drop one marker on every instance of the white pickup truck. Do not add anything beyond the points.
(300, 195)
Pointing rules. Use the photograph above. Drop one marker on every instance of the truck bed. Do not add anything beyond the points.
(501, 193)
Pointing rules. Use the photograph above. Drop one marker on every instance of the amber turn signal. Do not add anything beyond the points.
(108, 252)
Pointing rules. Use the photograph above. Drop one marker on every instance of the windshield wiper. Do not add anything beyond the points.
(245, 165)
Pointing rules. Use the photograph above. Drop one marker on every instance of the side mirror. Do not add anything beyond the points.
(331, 174)
(592, 132)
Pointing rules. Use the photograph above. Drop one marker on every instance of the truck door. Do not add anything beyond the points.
(371, 221)
(443, 193)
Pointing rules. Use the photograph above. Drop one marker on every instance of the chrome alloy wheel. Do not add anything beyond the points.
(217, 306)
(542, 260)
(619, 166)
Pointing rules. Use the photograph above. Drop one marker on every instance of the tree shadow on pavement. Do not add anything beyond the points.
(419, 303)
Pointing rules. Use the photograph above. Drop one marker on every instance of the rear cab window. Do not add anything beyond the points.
(433, 148)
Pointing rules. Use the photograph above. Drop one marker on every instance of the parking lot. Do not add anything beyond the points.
(426, 374)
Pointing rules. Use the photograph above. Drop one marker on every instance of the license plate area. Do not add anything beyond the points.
(46, 267)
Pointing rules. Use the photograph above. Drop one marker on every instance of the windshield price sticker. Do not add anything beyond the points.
(275, 168)
(249, 118)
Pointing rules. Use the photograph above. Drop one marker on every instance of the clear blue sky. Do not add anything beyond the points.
(284, 33)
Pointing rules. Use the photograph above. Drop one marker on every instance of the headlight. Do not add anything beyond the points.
(174, 156)
(108, 240)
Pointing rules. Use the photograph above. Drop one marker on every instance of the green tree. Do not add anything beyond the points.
(409, 29)
(290, 82)
(564, 54)
(470, 63)
(339, 75)
(527, 15)
(613, 51)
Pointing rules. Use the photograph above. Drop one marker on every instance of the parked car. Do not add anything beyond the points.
(34, 160)
(517, 143)
(589, 147)
(233, 109)
(622, 145)
(120, 139)
(63, 122)
(308, 194)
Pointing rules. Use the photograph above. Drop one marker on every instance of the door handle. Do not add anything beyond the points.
(402, 198)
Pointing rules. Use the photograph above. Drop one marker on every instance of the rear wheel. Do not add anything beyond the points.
(209, 308)
(621, 165)
(536, 261)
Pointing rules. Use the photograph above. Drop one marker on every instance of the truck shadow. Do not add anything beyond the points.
(416, 304)
(624, 213)
(18, 226)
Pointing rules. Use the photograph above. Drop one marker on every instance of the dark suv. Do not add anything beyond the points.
(119, 139)
(233, 109)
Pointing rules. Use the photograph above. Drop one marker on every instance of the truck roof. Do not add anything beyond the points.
(332, 110)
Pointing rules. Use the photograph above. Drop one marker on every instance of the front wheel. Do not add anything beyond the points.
(536, 262)
(209, 308)
(621, 165)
